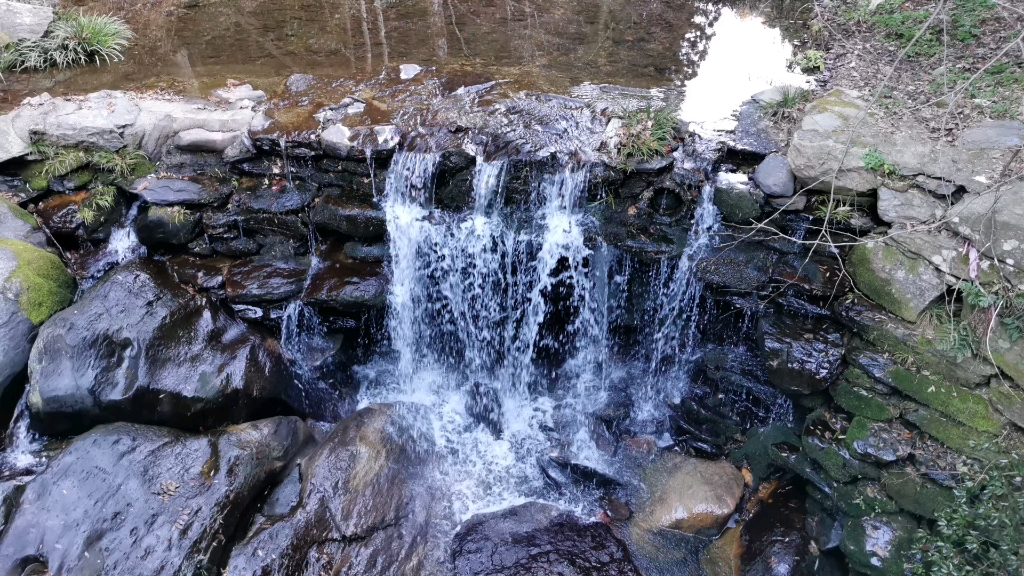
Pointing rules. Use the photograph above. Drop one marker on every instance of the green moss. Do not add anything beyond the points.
(759, 453)
(19, 213)
(860, 264)
(34, 177)
(858, 430)
(863, 498)
(46, 286)
(868, 554)
(80, 178)
(837, 462)
(1009, 402)
(957, 437)
(916, 494)
(958, 403)
(863, 403)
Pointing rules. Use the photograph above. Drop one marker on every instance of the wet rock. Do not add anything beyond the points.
(200, 140)
(856, 394)
(347, 286)
(119, 354)
(801, 355)
(819, 151)
(957, 437)
(744, 266)
(59, 214)
(204, 273)
(163, 225)
(363, 252)
(167, 191)
(774, 540)
(131, 499)
(355, 143)
(916, 494)
(814, 276)
(774, 177)
(365, 506)
(911, 207)
(688, 494)
(279, 198)
(765, 450)
(360, 221)
(752, 134)
(736, 199)
(822, 441)
(483, 404)
(961, 404)
(536, 538)
(993, 221)
(237, 247)
(259, 280)
(33, 286)
(824, 528)
(879, 545)
(17, 224)
(453, 184)
(24, 21)
(902, 284)
(881, 442)
(914, 341)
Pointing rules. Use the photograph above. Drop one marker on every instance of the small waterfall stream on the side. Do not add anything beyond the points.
(499, 324)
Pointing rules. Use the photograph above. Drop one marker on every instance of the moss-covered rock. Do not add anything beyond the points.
(761, 452)
(862, 498)
(45, 286)
(836, 460)
(878, 441)
(917, 494)
(904, 285)
(955, 436)
(18, 212)
(862, 402)
(1007, 353)
(1009, 400)
(954, 401)
(17, 224)
(879, 545)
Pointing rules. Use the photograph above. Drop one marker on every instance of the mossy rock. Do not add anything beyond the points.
(759, 452)
(955, 436)
(916, 494)
(877, 441)
(46, 287)
(79, 179)
(1009, 401)
(863, 498)
(861, 402)
(901, 284)
(33, 177)
(879, 545)
(954, 401)
(836, 460)
(18, 212)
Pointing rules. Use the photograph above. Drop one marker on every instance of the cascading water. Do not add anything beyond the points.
(122, 247)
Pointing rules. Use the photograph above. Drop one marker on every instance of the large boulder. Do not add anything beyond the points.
(993, 221)
(17, 224)
(132, 499)
(801, 355)
(96, 121)
(362, 503)
(902, 284)
(838, 130)
(536, 538)
(11, 145)
(914, 206)
(33, 286)
(139, 347)
(774, 177)
(689, 494)
(23, 21)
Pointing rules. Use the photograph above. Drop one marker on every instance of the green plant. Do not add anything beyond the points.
(874, 161)
(646, 134)
(122, 163)
(837, 210)
(983, 532)
(60, 161)
(73, 39)
(901, 25)
(811, 61)
(100, 201)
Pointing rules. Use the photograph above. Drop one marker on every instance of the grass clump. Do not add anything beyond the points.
(59, 161)
(99, 203)
(790, 100)
(46, 286)
(646, 134)
(73, 39)
(874, 161)
(982, 533)
(122, 163)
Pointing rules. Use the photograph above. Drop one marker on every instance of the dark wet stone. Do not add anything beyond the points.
(752, 134)
(361, 221)
(453, 184)
(258, 280)
(366, 506)
(743, 266)
(347, 286)
(163, 225)
(143, 500)
(815, 276)
(205, 273)
(775, 542)
(237, 247)
(881, 442)
(483, 404)
(282, 197)
(536, 538)
(564, 473)
(167, 191)
(824, 528)
(59, 214)
(801, 355)
(822, 441)
(879, 545)
(226, 225)
(139, 347)
(363, 252)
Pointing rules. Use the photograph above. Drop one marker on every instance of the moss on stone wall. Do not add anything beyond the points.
(19, 212)
(916, 494)
(860, 266)
(863, 403)
(46, 286)
(958, 403)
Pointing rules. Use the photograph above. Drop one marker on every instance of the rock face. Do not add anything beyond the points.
(24, 21)
(168, 191)
(132, 499)
(774, 177)
(911, 207)
(254, 280)
(361, 504)
(138, 347)
(691, 495)
(994, 222)
(536, 538)
(902, 284)
(17, 224)
(819, 150)
(801, 356)
(33, 286)
(356, 220)
(11, 146)
(161, 225)
(736, 199)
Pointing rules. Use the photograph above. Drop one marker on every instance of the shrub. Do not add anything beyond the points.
(811, 61)
(646, 134)
(874, 161)
(73, 39)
